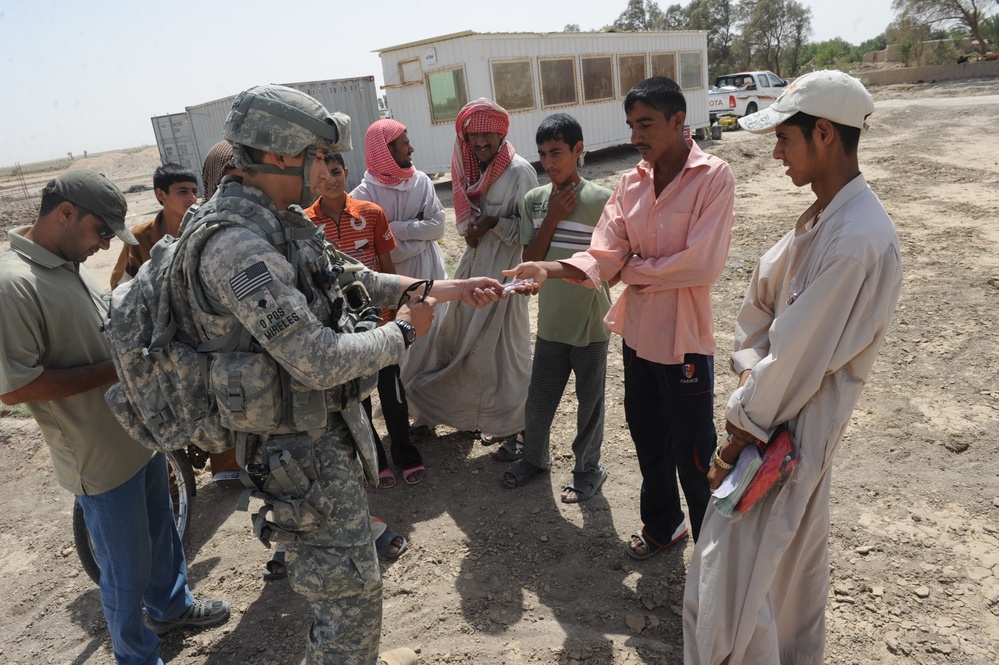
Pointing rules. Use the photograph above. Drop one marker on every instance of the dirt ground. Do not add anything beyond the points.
(500, 576)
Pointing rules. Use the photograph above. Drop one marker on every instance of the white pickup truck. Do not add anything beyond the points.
(743, 93)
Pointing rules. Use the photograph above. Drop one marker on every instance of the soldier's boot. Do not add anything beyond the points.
(402, 656)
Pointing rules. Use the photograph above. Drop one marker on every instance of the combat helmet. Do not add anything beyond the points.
(284, 121)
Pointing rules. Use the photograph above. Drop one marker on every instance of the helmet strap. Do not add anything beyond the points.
(270, 168)
(308, 198)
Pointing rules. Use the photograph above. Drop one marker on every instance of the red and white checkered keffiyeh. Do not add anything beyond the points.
(468, 182)
(377, 158)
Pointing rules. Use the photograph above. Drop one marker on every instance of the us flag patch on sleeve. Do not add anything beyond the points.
(250, 280)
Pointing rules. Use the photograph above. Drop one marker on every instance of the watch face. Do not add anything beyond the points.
(408, 331)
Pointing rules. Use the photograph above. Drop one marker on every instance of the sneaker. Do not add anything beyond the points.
(201, 614)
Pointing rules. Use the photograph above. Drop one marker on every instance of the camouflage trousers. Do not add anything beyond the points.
(337, 569)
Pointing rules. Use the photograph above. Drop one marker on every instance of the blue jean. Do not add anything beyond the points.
(671, 419)
(141, 558)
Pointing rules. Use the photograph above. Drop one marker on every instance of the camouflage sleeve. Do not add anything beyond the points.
(252, 280)
(383, 288)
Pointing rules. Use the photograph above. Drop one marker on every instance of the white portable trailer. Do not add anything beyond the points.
(186, 138)
(532, 75)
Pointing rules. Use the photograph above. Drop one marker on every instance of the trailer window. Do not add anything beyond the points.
(630, 71)
(513, 84)
(558, 81)
(598, 78)
(691, 75)
(447, 92)
(410, 71)
(664, 64)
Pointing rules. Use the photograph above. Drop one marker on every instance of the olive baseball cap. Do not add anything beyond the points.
(827, 93)
(94, 192)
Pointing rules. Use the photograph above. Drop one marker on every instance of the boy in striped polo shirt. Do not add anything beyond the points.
(558, 222)
(361, 229)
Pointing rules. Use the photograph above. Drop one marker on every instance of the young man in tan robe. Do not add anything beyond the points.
(813, 319)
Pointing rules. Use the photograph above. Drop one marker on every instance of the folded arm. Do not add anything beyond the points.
(56, 383)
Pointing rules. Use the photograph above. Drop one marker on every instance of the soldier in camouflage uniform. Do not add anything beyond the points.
(295, 312)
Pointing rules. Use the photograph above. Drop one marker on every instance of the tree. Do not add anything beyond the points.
(909, 35)
(799, 27)
(675, 18)
(945, 13)
(879, 43)
(571, 27)
(990, 30)
(829, 53)
(641, 15)
(718, 18)
(774, 32)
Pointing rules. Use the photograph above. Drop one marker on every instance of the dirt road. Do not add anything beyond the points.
(501, 576)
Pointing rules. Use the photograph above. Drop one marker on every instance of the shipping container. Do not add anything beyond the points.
(175, 141)
(357, 97)
(532, 75)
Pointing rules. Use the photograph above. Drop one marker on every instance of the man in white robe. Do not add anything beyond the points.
(815, 314)
(481, 366)
(416, 218)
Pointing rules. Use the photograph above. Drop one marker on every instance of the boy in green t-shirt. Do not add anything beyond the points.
(558, 221)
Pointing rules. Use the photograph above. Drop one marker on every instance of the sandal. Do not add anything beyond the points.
(414, 475)
(385, 542)
(490, 439)
(386, 479)
(510, 451)
(653, 548)
(521, 474)
(585, 485)
(276, 569)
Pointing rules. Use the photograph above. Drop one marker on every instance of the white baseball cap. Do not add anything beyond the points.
(827, 93)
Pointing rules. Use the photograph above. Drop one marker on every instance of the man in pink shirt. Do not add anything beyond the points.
(666, 230)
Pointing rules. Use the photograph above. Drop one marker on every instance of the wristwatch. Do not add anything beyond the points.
(408, 331)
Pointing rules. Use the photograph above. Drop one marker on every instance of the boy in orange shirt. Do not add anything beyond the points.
(361, 230)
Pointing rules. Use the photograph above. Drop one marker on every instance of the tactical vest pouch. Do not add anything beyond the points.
(308, 409)
(246, 388)
(295, 506)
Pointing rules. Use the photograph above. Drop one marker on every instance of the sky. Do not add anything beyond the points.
(89, 76)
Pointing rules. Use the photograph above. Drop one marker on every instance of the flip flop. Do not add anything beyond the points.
(383, 543)
(386, 479)
(491, 439)
(510, 451)
(652, 547)
(581, 481)
(520, 474)
(271, 571)
(407, 475)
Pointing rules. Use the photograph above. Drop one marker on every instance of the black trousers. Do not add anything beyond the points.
(395, 409)
(670, 413)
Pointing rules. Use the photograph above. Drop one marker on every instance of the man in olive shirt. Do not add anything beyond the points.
(55, 360)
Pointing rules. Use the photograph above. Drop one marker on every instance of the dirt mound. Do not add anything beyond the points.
(122, 166)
